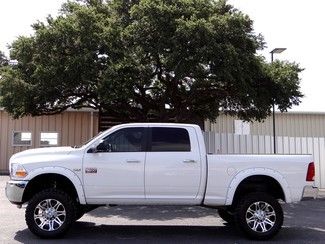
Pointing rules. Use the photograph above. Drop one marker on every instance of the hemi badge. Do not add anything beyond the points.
(91, 170)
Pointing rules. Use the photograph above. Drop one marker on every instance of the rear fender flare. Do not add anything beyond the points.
(242, 175)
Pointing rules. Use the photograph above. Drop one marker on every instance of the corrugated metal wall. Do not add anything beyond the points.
(73, 128)
(287, 124)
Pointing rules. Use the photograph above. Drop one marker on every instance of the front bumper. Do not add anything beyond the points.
(15, 191)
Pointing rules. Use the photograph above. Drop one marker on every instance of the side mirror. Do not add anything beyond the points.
(103, 147)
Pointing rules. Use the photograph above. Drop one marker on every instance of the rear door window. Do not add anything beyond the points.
(164, 139)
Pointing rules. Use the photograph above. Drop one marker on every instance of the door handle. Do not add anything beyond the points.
(133, 161)
(189, 161)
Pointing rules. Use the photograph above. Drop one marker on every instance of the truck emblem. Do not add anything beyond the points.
(91, 170)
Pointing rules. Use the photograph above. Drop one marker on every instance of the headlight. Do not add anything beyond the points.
(18, 171)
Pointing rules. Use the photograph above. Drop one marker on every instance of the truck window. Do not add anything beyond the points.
(124, 140)
(170, 140)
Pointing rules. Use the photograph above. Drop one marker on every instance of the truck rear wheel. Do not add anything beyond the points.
(259, 216)
(50, 213)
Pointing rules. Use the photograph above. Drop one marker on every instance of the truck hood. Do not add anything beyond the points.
(43, 151)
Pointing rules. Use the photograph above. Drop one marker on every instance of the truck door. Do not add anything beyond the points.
(173, 166)
(115, 171)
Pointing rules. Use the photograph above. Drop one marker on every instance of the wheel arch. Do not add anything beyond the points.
(257, 179)
(56, 177)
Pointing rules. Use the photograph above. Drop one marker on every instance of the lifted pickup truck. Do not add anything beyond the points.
(155, 163)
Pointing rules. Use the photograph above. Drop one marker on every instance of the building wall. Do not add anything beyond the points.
(73, 128)
(292, 124)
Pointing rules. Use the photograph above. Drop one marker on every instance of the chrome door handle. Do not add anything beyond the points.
(133, 161)
(189, 161)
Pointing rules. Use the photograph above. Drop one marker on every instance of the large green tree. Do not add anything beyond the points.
(3, 60)
(184, 60)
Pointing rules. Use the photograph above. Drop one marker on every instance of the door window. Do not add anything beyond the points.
(170, 140)
(124, 140)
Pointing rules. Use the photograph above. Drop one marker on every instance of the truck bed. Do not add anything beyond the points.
(227, 171)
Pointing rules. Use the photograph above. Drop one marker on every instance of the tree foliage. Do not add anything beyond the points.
(3, 60)
(184, 60)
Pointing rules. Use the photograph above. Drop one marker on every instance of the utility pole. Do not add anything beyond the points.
(275, 50)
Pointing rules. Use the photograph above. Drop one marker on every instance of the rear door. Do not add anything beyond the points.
(173, 166)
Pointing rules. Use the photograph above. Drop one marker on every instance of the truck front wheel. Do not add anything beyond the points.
(259, 216)
(50, 213)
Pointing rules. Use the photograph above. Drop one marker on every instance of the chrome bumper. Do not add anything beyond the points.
(15, 190)
(310, 192)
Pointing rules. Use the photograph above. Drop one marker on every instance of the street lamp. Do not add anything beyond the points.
(275, 50)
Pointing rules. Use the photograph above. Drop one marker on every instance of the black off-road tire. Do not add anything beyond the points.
(242, 213)
(226, 215)
(57, 195)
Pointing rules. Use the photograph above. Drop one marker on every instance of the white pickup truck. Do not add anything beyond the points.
(150, 164)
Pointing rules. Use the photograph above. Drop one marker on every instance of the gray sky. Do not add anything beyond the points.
(16, 17)
(296, 25)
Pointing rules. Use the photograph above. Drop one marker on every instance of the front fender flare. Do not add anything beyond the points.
(61, 171)
(242, 175)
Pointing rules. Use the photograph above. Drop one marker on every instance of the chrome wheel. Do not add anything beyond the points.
(49, 215)
(260, 216)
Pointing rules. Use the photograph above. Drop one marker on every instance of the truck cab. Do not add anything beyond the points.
(163, 164)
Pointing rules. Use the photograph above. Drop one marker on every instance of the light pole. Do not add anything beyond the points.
(275, 50)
